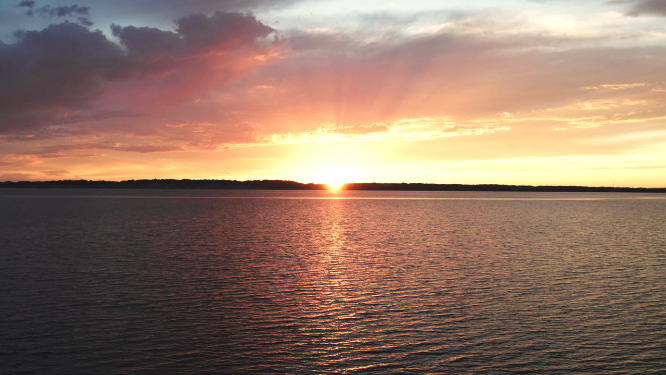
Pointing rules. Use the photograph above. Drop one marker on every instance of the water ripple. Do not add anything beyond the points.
(489, 285)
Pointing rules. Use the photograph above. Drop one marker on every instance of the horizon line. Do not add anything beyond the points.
(295, 185)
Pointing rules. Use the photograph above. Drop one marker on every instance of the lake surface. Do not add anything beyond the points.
(300, 282)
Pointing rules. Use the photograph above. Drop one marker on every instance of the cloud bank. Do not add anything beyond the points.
(54, 75)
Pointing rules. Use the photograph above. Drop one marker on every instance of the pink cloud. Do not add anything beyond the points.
(55, 76)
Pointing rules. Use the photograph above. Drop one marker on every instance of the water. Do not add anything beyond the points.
(115, 282)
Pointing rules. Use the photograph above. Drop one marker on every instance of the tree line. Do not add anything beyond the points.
(293, 185)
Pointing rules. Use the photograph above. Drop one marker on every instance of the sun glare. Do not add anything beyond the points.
(334, 178)
(335, 185)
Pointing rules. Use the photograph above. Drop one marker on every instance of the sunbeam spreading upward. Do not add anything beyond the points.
(511, 92)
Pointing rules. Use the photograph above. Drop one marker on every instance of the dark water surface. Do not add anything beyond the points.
(115, 282)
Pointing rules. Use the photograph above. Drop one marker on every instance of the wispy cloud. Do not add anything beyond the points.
(415, 129)
(60, 172)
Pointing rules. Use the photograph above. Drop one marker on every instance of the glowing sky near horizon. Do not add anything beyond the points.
(513, 92)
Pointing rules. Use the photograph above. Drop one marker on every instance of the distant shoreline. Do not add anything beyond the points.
(293, 185)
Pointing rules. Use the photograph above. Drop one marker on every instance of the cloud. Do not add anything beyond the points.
(18, 160)
(153, 50)
(615, 87)
(408, 129)
(75, 11)
(60, 66)
(85, 21)
(67, 11)
(248, 159)
(335, 86)
(55, 75)
(15, 177)
(348, 87)
(26, 4)
(363, 129)
(204, 6)
(444, 74)
(641, 7)
(60, 150)
(59, 172)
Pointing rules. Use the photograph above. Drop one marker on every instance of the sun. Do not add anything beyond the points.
(334, 177)
(335, 185)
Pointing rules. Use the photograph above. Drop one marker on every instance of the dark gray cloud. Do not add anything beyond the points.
(641, 7)
(74, 11)
(65, 66)
(58, 66)
(154, 50)
(26, 4)
(65, 11)
(85, 21)
(231, 30)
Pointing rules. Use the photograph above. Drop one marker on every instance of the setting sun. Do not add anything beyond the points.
(335, 185)
(334, 177)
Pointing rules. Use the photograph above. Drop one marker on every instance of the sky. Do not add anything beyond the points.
(527, 92)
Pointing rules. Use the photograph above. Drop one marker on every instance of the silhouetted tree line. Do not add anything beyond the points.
(166, 184)
(293, 185)
(492, 187)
